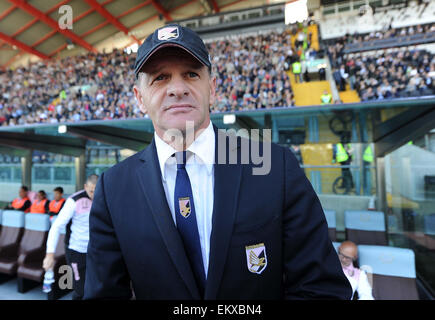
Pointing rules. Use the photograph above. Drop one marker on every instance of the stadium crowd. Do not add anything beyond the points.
(384, 74)
(385, 34)
(251, 74)
(398, 73)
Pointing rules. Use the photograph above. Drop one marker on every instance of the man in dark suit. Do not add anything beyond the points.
(182, 220)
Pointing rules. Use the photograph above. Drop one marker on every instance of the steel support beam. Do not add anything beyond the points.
(381, 191)
(215, 6)
(125, 138)
(7, 11)
(402, 128)
(161, 10)
(22, 46)
(53, 24)
(108, 16)
(14, 151)
(143, 4)
(80, 171)
(245, 122)
(54, 144)
(26, 170)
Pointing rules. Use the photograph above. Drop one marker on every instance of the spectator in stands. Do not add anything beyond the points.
(326, 97)
(400, 73)
(344, 75)
(348, 254)
(41, 204)
(343, 155)
(74, 216)
(297, 71)
(322, 73)
(21, 203)
(57, 203)
(339, 81)
(388, 34)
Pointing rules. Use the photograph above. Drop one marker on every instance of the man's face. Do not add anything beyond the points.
(175, 88)
(22, 193)
(41, 196)
(347, 255)
(90, 189)
(57, 195)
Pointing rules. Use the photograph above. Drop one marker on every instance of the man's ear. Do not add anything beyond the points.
(212, 90)
(139, 99)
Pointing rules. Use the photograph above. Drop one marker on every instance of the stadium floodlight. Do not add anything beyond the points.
(61, 128)
(229, 118)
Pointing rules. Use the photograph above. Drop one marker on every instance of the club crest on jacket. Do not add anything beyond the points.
(256, 258)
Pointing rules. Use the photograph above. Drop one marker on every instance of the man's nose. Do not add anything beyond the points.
(177, 88)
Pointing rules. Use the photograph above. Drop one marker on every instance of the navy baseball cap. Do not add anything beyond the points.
(172, 35)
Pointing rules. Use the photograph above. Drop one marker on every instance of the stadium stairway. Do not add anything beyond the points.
(308, 93)
(319, 154)
(349, 96)
(315, 36)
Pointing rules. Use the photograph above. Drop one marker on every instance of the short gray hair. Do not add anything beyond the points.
(92, 179)
(139, 78)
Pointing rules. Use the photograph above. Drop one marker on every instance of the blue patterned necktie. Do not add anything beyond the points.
(186, 220)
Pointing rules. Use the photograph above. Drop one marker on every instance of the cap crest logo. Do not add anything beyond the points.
(167, 33)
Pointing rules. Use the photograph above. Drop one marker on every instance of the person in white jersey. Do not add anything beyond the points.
(75, 217)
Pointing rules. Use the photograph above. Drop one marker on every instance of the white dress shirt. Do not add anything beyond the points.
(199, 167)
(362, 286)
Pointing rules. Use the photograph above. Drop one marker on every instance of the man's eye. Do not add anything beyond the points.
(159, 78)
(192, 74)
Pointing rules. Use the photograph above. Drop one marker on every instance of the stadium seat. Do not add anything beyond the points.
(336, 245)
(32, 251)
(392, 271)
(365, 227)
(10, 237)
(429, 232)
(332, 225)
(429, 225)
(59, 260)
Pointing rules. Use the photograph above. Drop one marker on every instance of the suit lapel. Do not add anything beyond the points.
(150, 179)
(227, 179)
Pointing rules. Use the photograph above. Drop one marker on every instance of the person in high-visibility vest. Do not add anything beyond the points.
(368, 154)
(21, 203)
(297, 71)
(341, 154)
(57, 203)
(326, 97)
(40, 205)
(368, 159)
